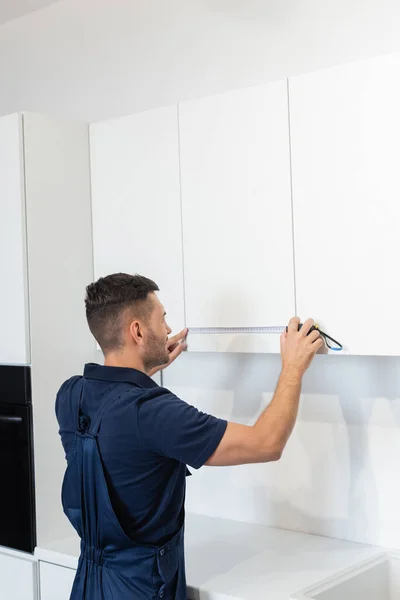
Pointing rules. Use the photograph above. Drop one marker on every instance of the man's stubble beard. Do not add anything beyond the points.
(156, 352)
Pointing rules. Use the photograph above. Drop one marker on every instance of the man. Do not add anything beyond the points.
(128, 441)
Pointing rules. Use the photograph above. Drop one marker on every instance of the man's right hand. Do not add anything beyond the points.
(266, 439)
(298, 348)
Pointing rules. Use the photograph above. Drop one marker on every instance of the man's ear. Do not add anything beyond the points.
(136, 331)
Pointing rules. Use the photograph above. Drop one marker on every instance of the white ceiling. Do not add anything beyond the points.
(12, 9)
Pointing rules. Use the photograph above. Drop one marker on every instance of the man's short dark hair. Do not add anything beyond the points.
(110, 300)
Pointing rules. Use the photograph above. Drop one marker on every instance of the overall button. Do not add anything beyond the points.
(162, 552)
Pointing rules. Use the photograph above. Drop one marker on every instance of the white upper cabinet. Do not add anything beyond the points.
(237, 221)
(14, 324)
(345, 132)
(237, 208)
(136, 202)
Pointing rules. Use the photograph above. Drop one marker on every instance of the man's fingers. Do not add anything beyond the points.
(319, 342)
(178, 349)
(293, 326)
(175, 339)
(314, 335)
(306, 327)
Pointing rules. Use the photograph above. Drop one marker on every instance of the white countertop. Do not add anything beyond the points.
(227, 560)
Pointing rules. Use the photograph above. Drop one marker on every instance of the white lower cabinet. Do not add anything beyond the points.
(55, 581)
(18, 578)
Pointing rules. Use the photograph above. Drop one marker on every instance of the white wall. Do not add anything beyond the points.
(95, 59)
(338, 474)
(12, 9)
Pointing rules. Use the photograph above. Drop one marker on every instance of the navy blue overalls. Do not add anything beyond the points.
(111, 566)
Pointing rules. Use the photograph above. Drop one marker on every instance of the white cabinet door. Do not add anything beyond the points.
(237, 221)
(55, 581)
(14, 338)
(136, 202)
(18, 580)
(345, 131)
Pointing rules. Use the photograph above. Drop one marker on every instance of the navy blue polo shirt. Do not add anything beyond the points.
(146, 439)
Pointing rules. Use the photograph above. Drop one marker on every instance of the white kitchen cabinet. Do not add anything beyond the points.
(345, 131)
(55, 581)
(136, 202)
(14, 324)
(18, 577)
(237, 220)
(44, 175)
(46, 261)
(60, 266)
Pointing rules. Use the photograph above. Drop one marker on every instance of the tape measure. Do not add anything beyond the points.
(336, 347)
(234, 330)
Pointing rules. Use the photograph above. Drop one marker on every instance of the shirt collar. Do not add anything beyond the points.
(120, 374)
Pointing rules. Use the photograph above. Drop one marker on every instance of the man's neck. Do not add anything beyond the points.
(123, 361)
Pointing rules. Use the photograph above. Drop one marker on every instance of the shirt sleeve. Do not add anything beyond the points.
(171, 427)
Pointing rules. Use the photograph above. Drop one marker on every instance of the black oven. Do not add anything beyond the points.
(17, 494)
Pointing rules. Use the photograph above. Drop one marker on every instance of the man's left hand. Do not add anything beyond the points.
(175, 346)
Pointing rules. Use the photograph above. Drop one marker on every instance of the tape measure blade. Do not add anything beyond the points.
(236, 330)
